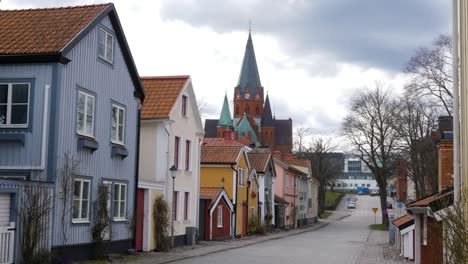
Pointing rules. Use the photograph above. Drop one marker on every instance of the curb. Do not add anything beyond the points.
(314, 228)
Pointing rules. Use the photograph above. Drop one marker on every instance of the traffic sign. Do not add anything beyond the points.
(400, 205)
(375, 209)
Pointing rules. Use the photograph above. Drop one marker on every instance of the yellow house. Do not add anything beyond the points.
(252, 201)
(227, 167)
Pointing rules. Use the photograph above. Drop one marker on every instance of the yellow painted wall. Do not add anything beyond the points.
(253, 202)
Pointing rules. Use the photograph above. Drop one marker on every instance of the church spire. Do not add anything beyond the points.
(249, 72)
(225, 117)
(267, 118)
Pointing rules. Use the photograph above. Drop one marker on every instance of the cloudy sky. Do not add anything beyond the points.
(312, 54)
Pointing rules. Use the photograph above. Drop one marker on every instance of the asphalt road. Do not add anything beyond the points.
(339, 242)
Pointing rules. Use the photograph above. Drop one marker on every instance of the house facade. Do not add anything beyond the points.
(216, 210)
(171, 132)
(69, 111)
(227, 166)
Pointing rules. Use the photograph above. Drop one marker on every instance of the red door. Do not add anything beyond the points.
(244, 220)
(139, 219)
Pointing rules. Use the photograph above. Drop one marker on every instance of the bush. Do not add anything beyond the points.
(41, 257)
(260, 230)
(161, 224)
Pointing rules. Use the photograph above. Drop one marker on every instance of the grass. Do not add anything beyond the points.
(324, 214)
(332, 199)
(379, 227)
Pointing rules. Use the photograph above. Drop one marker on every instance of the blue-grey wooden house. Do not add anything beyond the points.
(69, 112)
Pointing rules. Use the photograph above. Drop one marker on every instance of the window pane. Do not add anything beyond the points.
(3, 93)
(109, 40)
(90, 106)
(101, 36)
(121, 116)
(116, 208)
(85, 190)
(116, 192)
(76, 190)
(81, 103)
(20, 93)
(76, 209)
(122, 209)
(123, 192)
(19, 114)
(80, 122)
(89, 124)
(120, 138)
(109, 54)
(3, 110)
(101, 50)
(84, 209)
(114, 124)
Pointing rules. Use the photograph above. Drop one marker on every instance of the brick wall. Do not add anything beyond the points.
(445, 153)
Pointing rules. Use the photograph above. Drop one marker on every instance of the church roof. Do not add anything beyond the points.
(244, 126)
(267, 117)
(225, 117)
(249, 72)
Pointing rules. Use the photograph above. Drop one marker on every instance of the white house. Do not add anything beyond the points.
(171, 133)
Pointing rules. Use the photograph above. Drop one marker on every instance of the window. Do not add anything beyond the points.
(105, 45)
(176, 205)
(256, 110)
(220, 216)
(176, 152)
(368, 185)
(247, 110)
(184, 105)
(187, 155)
(237, 109)
(118, 124)
(14, 104)
(241, 177)
(81, 200)
(85, 120)
(186, 205)
(363, 185)
(120, 201)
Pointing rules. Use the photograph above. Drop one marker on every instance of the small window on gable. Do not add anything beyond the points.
(184, 105)
(105, 45)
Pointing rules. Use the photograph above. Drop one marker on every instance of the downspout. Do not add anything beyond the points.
(456, 106)
(235, 200)
(137, 171)
(248, 208)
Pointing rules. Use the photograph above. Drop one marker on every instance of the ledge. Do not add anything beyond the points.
(87, 143)
(119, 150)
(17, 138)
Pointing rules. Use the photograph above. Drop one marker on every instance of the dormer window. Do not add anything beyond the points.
(105, 45)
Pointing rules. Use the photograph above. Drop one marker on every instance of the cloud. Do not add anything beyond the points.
(368, 33)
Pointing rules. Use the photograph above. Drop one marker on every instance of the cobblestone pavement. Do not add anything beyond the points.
(377, 250)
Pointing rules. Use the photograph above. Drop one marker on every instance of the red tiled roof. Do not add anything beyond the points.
(43, 31)
(427, 201)
(219, 154)
(298, 162)
(259, 160)
(221, 142)
(161, 94)
(402, 220)
(209, 192)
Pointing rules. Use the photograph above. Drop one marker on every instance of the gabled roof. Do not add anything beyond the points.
(48, 34)
(267, 117)
(161, 95)
(219, 154)
(435, 201)
(259, 160)
(225, 117)
(209, 192)
(403, 221)
(221, 142)
(249, 76)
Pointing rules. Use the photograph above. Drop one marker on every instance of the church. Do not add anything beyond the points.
(253, 122)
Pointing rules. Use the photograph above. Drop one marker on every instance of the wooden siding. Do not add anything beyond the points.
(15, 154)
(109, 83)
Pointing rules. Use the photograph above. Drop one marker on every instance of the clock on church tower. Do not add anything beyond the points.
(247, 96)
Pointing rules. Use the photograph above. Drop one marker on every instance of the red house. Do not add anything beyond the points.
(217, 210)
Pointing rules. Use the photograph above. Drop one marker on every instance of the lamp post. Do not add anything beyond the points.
(173, 171)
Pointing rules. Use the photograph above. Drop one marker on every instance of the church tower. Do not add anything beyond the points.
(248, 94)
(225, 121)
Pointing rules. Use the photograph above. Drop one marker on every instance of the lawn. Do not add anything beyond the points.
(332, 199)
(378, 227)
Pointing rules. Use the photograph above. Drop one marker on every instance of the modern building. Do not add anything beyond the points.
(171, 133)
(356, 175)
(69, 110)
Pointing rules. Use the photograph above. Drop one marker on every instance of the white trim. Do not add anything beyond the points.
(218, 198)
(79, 219)
(9, 104)
(106, 46)
(407, 229)
(119, 218)
(83, 132)
(116, 141)
(151, 185)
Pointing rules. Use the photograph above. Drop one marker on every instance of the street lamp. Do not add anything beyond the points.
(173, 171)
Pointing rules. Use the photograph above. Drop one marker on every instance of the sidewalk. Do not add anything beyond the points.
(208, 247)
(377, 250)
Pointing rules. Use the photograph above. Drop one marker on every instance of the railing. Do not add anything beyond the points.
(7, 242)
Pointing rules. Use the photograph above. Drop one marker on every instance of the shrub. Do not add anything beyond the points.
(161, 224)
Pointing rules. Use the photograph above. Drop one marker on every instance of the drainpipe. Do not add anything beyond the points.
(248, 209)
(235, 200)
(456, 106)
(137, 171)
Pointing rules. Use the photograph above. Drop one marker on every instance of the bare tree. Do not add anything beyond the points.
(326, 167)
(418, 121)
(370, 127)
(430, 72)
(300, 138)
(202, 105)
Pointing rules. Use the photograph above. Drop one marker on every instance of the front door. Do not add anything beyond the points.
(139, 219)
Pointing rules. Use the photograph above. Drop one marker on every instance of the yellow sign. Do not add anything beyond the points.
(375, 210)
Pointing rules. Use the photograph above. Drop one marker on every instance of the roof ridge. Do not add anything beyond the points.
(55, 8)
(165, 77)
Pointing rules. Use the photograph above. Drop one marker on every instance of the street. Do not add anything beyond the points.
(342, 241)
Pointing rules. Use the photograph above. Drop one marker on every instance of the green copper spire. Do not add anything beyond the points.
(249, 72)
(244, 127)
(225, 117)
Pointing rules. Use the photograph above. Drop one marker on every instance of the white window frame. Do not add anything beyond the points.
(83, 131)
(219, 216)
(116, 140)
(241, 176)
(117, 211)
(9, 105)
(80, 199)
(106, 46)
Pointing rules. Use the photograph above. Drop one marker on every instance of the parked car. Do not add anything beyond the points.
(374, 193)
(351, 204)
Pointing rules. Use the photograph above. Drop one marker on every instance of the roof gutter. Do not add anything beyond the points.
(34, 58)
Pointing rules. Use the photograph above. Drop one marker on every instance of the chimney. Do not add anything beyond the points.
(446, 127)
(445, 156)
(228, 135)
(276, 154)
